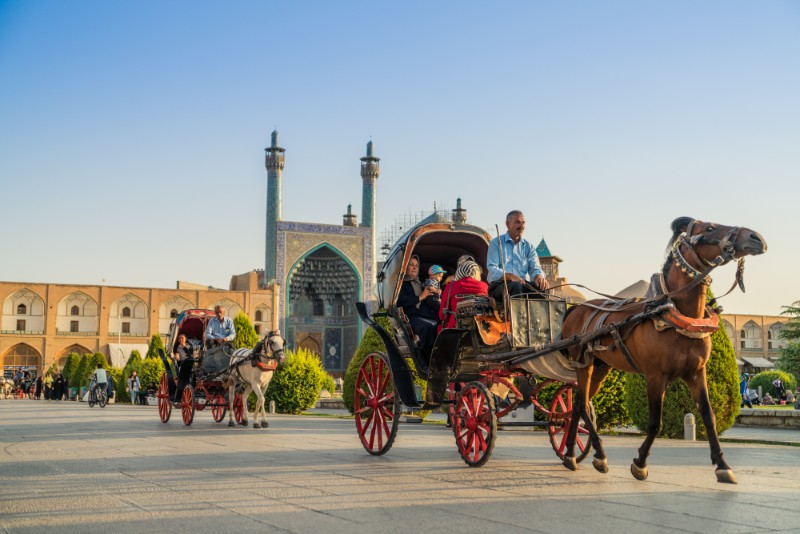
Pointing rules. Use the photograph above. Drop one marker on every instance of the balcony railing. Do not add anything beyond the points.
(68, 333)
(22, 332)
(123, 334)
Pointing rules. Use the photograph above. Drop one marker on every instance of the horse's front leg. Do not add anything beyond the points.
(259, 417)
(599, 374)
(231, 398)
(655, 397)
(245, 394)
(699, 388)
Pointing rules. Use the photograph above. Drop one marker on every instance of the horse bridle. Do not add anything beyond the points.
(274, 354)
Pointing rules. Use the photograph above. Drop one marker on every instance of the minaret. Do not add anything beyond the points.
(349, 218)
(459, 214)
(370, 169)
(274, 163)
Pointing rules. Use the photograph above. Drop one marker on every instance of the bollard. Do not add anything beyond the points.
(272, 406)
(688, 427)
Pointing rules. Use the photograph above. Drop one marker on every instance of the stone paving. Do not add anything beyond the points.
(70, 468)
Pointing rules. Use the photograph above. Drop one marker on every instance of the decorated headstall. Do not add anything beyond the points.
(268, 360)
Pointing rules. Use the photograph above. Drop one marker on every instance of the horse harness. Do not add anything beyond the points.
(666, 315)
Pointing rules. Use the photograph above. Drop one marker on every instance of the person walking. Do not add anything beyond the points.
(744, 382)
(48, 386)
(133, 387)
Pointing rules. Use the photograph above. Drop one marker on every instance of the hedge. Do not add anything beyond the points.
(765, 379)
(723, 394)
(296, 384)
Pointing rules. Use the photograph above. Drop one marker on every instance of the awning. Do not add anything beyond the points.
(758, 362)
(119, 353)
(739, 362)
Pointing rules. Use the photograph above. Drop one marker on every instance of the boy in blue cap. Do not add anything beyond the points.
(433, 283)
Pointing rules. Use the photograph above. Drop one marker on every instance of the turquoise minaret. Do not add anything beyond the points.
(274, 163)
(370, 169)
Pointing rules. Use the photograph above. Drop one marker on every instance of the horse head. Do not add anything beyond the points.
(716, 244)
(274, 345)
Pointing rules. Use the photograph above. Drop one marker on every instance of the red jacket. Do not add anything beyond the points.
(451, 294)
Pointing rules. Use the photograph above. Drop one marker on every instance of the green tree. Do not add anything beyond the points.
(296, 384)
(134, 359)
(789, 359)
(150, 371)
(76, 380)
(246, 337)
(70, 367)
(155, 344)
(723, 394)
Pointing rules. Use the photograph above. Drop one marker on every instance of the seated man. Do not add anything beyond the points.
(421, 310)
(521, 261)
(220, 328)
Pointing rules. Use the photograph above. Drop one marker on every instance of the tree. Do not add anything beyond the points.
(246, 337)
(723, 394)
(73, 360)
(134, 359)
(789, 359)
(155, 344)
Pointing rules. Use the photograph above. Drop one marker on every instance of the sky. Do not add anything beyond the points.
(132, 133)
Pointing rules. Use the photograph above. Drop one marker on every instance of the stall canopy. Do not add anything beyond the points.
(119, 353)
(758, 362)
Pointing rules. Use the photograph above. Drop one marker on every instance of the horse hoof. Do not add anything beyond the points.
(726, 475)
(244, 423)
(256, 425)
(264, 424)
(570, 463)
(600, 464)
(639, 473)
(231, 423)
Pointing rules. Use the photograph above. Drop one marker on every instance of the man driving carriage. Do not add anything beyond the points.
(519, 258)
(220, 328)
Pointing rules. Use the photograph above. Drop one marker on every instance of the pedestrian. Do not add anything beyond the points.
(48, 386)
(133, 387)
(58, 387)
(744, 381)
(39, 386)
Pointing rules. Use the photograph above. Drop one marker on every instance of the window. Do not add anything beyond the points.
(258, 316)
(126, 327)
(126, 312)
(742, 344)
(75, 310)
(258, 328)
(22, 309)
(173, 313)
(73, 326)
(20, 325)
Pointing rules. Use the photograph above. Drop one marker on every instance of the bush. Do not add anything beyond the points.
(71, 366)
(120, 395)
(297, 382)
(76, 379)
(765, 379)
(155, 344)
(134, 358)
(609, 403)
(150, 371)
(723, 394)
(328, 384)
(246, 337)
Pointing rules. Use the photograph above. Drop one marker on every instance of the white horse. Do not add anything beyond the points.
(253, 368)
(6, 384)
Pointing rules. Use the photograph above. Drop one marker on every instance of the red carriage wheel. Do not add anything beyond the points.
(164, 404)
(475, 424)
(187, 405)
(238, 408)
(219, 408)
(560, 419)
(377, 411)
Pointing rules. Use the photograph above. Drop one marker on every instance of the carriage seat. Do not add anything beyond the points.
(402, 329)
(481, 312)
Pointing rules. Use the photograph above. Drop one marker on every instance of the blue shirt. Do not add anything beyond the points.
(521, 259)
(225, 331)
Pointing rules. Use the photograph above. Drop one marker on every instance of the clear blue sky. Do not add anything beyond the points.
(131, 146)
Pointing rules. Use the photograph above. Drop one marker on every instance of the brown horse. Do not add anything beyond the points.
(664, 337)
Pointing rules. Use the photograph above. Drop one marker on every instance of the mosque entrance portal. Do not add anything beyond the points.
(323, 288)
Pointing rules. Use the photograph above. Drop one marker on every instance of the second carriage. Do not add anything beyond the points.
(506, 346)
(202, 375)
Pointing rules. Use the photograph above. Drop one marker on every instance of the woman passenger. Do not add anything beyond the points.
(421, 311)
(467, 282)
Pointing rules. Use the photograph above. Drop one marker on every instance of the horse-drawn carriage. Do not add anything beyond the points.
(459, 372)
(201, 374)
(664, 336)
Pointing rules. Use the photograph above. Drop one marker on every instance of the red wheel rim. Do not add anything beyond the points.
(475, 424)
(187, 405)
(238, 408)
(164, 405)
(219, 409)
(376, 410)
(561, 414)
